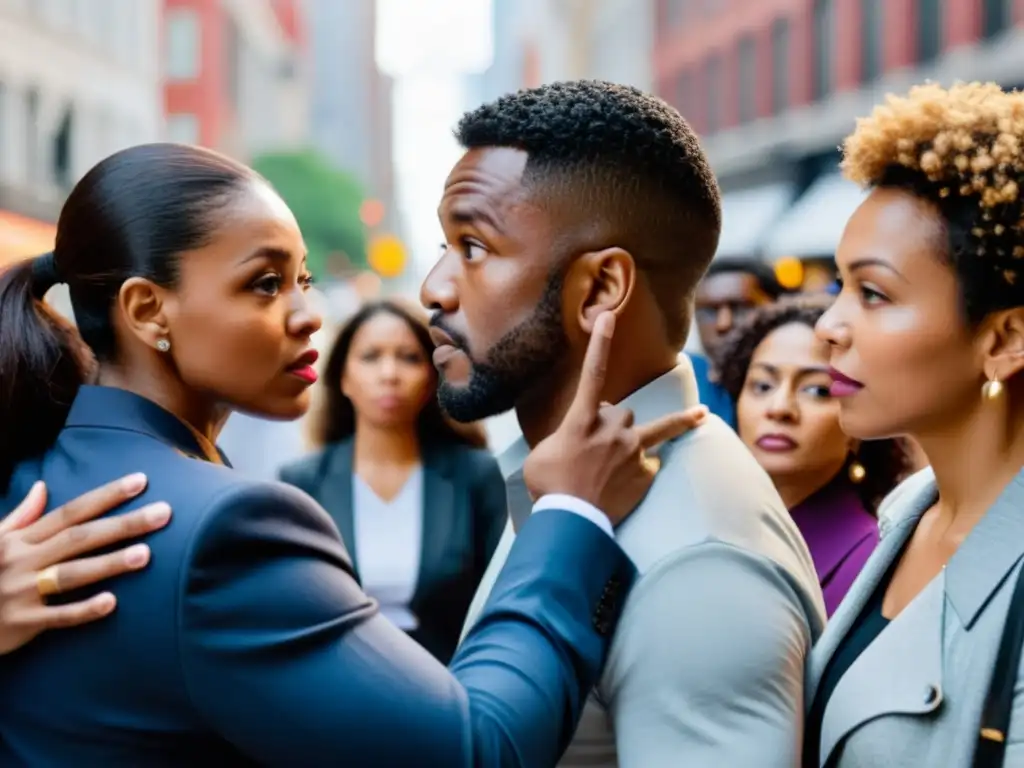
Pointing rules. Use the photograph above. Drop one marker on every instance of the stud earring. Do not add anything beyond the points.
(992, 389)
(163, 345)
(857, 472)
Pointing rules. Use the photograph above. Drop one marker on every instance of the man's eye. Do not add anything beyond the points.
(472, 250)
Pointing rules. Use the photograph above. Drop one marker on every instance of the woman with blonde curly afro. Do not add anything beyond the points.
(927, 341)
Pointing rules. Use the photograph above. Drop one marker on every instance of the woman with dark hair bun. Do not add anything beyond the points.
(776, 371)
(418, 499)
(247, 640)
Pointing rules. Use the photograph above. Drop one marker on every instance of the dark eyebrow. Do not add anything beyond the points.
(872, 262)
(815, 369)
(473, 215)
(277, 255)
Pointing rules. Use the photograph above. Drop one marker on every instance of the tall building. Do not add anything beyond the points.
(773, 86)
(237, 76)
(541, 41)
(79, 79)
(351, 110)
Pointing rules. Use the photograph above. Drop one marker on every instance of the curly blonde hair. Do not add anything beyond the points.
(962, 149)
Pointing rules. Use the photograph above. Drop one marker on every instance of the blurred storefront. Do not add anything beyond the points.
(21, 237)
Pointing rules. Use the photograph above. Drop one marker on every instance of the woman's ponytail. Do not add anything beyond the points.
(43, 362)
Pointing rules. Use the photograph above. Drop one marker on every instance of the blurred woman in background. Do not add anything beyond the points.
(777, 373)
(419, 501)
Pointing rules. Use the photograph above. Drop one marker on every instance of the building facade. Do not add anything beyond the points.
(543, 41)
(79, 79)
(236, 74)
(773, 86)
(351, 117)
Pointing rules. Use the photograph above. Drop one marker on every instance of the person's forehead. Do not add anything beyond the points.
(792, 345)
(486, 182)
(727, 286)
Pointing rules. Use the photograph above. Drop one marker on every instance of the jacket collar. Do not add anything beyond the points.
(111, 408)
(672, 391)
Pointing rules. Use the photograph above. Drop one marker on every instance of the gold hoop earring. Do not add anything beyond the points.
(857, 472)
(992, 389)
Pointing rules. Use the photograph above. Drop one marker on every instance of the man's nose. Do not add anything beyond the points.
(724, 319)
(438, 289)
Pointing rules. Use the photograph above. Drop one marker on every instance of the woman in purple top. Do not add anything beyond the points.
(777, 373)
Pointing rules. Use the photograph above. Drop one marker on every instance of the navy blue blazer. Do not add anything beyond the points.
(464, 514)
(248, 641)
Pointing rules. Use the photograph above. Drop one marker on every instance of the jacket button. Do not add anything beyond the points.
(931, 694)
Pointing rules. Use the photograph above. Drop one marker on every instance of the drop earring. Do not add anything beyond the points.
(992, 389)
(857, 472)
(163, 345)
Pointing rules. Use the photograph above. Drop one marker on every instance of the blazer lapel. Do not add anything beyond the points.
(889, 548)
(988, 554)
(899, 673)
(335, 483)
(439, 516)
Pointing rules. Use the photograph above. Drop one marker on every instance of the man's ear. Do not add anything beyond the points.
(143, 307)
(600, 281)
(1002, 344)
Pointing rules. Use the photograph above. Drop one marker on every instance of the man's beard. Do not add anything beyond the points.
(516, 363)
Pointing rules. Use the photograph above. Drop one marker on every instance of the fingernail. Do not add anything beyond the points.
(134, 483)
(105, 603)
(158, 514)
(136, 556)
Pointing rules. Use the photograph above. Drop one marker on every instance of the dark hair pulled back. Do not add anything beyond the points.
(132, 215)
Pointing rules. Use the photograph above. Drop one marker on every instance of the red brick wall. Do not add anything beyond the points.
(204, 96)
(702, 34)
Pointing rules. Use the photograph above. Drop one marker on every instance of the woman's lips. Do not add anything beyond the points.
(843, 385)
(305, 372)
(776, 443)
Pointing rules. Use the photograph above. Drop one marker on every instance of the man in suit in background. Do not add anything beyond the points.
(573, 200)
(729, 292)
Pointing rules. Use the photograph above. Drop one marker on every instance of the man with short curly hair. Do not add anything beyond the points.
(571, 200)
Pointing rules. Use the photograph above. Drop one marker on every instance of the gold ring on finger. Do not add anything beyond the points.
(47, 581)
(651, 463)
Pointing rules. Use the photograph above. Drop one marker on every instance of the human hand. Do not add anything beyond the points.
(36, 554)
(597, 454)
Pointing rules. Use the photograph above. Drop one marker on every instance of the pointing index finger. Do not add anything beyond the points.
(587, 401)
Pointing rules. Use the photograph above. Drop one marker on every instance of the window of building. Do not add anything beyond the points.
(780, 65)
(183, 44)
(3, 130)
(715, 87)
(675, 12)
(871, 40)
(232, 54)
(996, 17)
(824, 47)
(929, 30)
(183, 128)
(748, 78)
(684, 93)
(32, 160)
(62, 150)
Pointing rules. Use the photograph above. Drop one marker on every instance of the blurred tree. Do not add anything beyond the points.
(326, 203)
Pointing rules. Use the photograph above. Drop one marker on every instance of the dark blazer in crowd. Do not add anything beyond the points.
(247, 640)
(464, 514)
